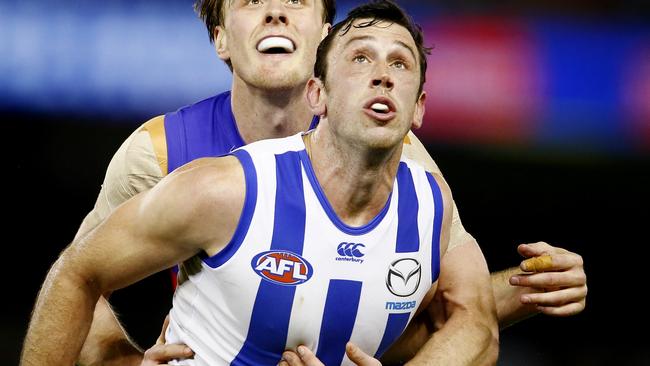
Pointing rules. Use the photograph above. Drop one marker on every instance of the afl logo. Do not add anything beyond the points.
(282, 267)
(403, 277)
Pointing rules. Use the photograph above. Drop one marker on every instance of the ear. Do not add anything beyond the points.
(221, 43)
(418, 113)
(316, 97)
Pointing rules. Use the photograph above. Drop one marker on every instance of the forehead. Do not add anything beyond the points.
(317, 5)
(383, 33)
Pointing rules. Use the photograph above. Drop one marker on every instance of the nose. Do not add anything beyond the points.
(382, 79)
(276, 14)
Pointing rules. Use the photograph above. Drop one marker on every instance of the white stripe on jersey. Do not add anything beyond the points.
(236, 310)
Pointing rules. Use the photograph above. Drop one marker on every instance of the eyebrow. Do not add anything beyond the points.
(369, 38)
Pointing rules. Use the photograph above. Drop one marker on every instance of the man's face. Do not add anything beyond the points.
(371, 91)
(271, 43)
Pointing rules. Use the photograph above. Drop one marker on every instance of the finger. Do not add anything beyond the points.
(356, 355)
(556, 298)
(537, 264)
(563, 262)
(308, 357)
(161, 337)
(167, 352)
(290, 358)
(548, 280)
(562, 311)
(539, 248)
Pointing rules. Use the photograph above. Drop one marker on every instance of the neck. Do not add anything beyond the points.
(356, 181)
(264, 114)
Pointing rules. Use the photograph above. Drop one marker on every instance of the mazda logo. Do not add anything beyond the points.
(403, 277)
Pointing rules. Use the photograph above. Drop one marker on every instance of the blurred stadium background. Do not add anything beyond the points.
(538, 114)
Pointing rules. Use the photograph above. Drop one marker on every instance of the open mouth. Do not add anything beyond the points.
(275, 45)
(380, 108)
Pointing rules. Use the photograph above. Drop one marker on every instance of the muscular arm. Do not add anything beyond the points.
(175, 220)
(561, 291)
(463, 309)
(133, 169)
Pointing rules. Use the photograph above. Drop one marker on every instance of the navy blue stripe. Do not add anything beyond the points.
(408, 237)
(394, 327)
(250, 176)
(340, 312)
(437, 227)
(269, 325)
(314, 122)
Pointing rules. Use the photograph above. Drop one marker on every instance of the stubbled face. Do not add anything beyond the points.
(271, 43)
(371, 92)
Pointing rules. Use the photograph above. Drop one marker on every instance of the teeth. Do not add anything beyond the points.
(379, 107)
(275, 42)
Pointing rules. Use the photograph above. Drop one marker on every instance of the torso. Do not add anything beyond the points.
(296, 274)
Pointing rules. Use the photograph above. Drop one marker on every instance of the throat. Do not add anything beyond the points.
(262, 116)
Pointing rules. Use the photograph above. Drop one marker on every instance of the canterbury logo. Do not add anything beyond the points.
(403, 277)
(350, 250)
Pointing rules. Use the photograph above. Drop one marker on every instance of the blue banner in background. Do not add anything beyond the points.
(495, 80)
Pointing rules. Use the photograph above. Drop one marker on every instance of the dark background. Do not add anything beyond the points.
(593, 201)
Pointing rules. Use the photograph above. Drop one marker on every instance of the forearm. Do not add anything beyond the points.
(407, 345)
(107, 342)
(463, 340)
(510, 309)
(61, 319)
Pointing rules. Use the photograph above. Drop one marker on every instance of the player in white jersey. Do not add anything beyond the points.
(268, 80)
(262, 232)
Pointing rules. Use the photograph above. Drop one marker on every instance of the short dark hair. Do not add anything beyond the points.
(211, 12)
(377, 11)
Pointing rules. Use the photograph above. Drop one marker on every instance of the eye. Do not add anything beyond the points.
(399, 65)
(360, 59)
(294, 2)
(254, 2)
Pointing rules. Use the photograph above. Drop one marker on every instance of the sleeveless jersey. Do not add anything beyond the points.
(294, 273)
(203, 129)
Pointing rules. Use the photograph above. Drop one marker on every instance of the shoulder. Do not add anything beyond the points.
(203, 198)
(414, 149)
(135, 166)
(209, 178)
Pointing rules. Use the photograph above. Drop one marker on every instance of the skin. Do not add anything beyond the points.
(274, 87)
(469, 333)
(191, 205)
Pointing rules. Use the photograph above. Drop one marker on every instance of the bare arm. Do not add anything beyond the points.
(519, 296)
(134, 168)
(458, 326)
(470, 334)
(560, 289)
(175, 220)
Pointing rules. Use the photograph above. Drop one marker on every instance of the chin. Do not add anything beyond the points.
(383, 141)
(281, 81)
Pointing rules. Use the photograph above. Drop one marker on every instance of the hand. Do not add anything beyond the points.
(562, 284)
(162, 353)
(305, 357)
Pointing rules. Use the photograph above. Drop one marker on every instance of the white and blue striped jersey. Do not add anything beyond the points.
(294, 273)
